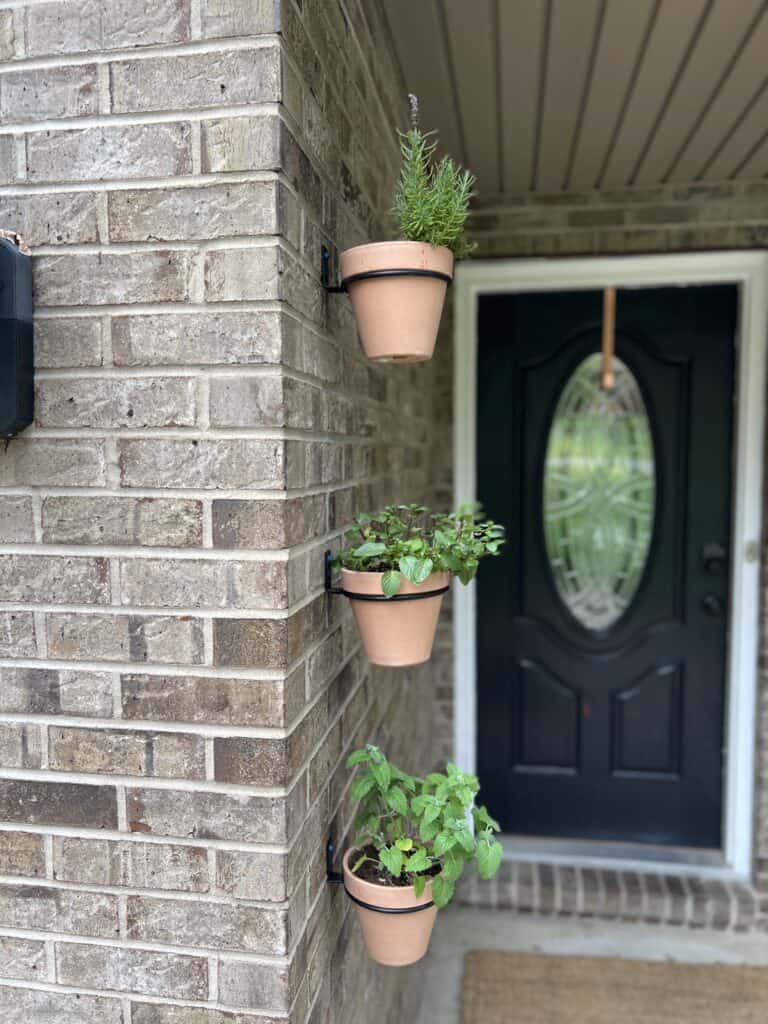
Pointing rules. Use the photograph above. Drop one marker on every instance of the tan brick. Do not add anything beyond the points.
(112, 278)
(266, 402)
(74, 913)
(51, 219)
(207, 815)
(257, 985)
(267, 643)
(193, 583)
(249, 143)
(52, 462)
(109, 152)
(252, 876)
(197, 339)
(8, 41)
(210, 925)
(245, 760)
(20, 745)
(213, 211)
(136, 638)
(68, 341)
(42, 691)
(196, 80)
(22, 853)
(262, 274)
(132, 970)
(8, 167)
(108, 403)
(230, 18)
(268, 524)
(49, 93)
(204, 465)
(17, 635)
(144, 522)
(109, 751)
(20, 1006)
(22, 959)
(87, 25)
(54, 580)
(259, 643)
(215, 701)
(134, 864)
(16, 525)
(58, 803)
(236, 275)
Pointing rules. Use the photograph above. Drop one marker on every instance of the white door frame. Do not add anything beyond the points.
(749, 270)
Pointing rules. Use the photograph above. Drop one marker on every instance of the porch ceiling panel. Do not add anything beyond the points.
(554, 95)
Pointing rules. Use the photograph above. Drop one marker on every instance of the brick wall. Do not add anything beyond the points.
(177, 694)
(665, 218)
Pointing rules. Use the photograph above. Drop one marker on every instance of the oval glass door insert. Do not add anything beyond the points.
(599, 493)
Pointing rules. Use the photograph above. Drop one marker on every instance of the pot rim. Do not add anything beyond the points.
(435, 581)
(393, 242)
(369, 890)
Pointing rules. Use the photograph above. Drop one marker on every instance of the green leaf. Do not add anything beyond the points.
(420, 884)
(408, 566)
(357, 757)
(432, 813)
(466, 839)
(442, 891)
(418, 861)
(405, 844)
(390, 582)
(453, 865)
(428, 832)
(392, 859)
(444, 842)
(382, 773)
(488, 858)
(369, 549)
(422, 570)
(397, 800)
(362, 787)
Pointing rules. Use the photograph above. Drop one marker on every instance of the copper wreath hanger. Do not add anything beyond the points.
(607, 379)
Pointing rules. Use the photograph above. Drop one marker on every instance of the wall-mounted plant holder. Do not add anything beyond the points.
(17, 386)
(393, 934)
(396, 631)
(397, 291)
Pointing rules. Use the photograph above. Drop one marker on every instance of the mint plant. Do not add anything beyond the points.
(414, 829)
(432, 199)
(409, 541)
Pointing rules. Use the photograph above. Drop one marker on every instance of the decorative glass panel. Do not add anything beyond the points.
(599, 493)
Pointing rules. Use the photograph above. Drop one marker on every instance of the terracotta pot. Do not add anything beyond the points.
(395, 633)
(397, 317)
(391, 939)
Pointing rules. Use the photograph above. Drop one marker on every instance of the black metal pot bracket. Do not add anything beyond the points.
(331, 589)
(334, 289)
(336, 878)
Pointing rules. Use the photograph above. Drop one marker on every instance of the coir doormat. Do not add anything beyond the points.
(525, 988)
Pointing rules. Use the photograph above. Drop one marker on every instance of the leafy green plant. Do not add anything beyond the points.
(432, 198)
(413, 830)
(407, 540)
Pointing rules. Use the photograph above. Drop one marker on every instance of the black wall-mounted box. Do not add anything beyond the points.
(17, 385)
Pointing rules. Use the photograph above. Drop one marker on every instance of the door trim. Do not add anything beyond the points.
(749, 270)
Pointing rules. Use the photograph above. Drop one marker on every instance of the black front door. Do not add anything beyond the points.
(601, 630)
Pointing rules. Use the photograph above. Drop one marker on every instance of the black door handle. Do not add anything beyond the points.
(713, 605)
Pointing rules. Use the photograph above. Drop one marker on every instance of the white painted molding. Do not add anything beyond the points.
(748, 270)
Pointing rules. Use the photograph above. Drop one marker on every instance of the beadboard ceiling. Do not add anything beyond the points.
(553, 95)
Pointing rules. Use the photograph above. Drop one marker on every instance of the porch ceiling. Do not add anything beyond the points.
(551, 95)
